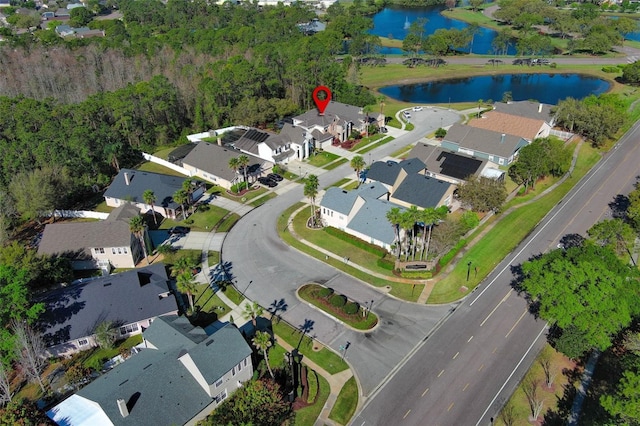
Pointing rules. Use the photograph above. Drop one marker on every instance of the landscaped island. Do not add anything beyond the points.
(338, 306)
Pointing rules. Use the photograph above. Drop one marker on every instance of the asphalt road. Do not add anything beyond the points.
(463, 373)
(269, 271)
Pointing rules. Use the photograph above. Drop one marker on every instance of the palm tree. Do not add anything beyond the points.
(137, 228)
(150, 198)
(311, 191)
(252, 311)
(395, 216)
(367, 109)
(430, 217)
(106, 334)
(407, 223)
(262, 342)
(243, 163)
(187, 186)
(380, 99)
(234, 164)
(181, 197)
(186, 284)
(182, 264)
(358, 164)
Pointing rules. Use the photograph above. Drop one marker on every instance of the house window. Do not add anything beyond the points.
(129, 328)
(491, 158)
(124, 250)
(113, 251)
(240, 367)
(83, 342)
(246, 361)
(99, 250)
(221, 396)
(501, 161)
(233, 371)
(219, 382)
(119, 250)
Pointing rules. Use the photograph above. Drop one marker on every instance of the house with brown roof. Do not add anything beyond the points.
(95, 245)
(497, 147)
(502, 122)
(527, 109)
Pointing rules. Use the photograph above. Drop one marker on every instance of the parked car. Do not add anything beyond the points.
(267, 182)
(417, 108)
(275, 176)
(406, 114)
(179, 230)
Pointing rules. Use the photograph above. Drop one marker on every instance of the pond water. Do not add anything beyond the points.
(393, 22)
(546, 88)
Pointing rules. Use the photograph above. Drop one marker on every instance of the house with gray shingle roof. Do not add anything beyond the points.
(129, 300)
(95, 245)
(338, 121)
(409, 184)
(499, 148)
(291, 143)
(129, 186)
(178, 379)
(360, 212)
(210, 161)
(527, 109)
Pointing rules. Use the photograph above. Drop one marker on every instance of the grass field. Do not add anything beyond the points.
(325, 358)
(506, 235)
(307, 416)
(346, 403)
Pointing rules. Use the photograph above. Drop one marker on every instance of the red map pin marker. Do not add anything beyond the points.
(321, 103)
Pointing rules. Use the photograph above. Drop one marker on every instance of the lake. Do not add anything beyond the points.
(392, 22)
(545, 88)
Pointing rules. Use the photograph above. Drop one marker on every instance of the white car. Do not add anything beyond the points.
(417, 108)
(406, 114)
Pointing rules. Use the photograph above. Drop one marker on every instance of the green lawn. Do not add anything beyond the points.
(505, 236)
(382, 141)
(260, 201)
(400, 153)
(233, 294)
(323, 158)
(157, 168)
(346, 403)
(309, 293)
(103, 207)
(211, 306)
(353, 185)
(339, 183)
(401, 290)
(307, 416)
(213, 258)
(164, 152)
(325, 358)
(228, 222)
(205, 219)
(335, 164)
(98, 356)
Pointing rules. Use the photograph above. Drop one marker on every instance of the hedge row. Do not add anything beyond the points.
(339, 301)
(416, 274)
(387, 262)
(447, 257)
(355, 241)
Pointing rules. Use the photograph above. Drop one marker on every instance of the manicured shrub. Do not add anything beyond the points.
(416, 275)
(387, 262)
(338, 300)
(469, 220)
(325, 292)
(351, 308)
(447, 257)
(610, 69)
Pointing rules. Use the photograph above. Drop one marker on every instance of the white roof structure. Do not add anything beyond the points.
(81, 410)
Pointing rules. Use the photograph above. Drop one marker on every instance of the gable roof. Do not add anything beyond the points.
(214, 159)
(387, 172)
(73, 312)
(526, 109)
(163, 187)
(496, 121)
(447, 163)
(341, 200)
(421, 190)
(487, 141)
(334, 110)
(371, 220)
(158, 387)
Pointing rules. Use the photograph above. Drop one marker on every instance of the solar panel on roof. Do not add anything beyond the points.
(255, 135)
(458, 166)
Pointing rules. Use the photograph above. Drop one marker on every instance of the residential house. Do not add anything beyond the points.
(499, 148)
(312, 27)
(65, 30)
(361, 212)
(129, 186)
(95, 245)
(453, 167)
(291, 143)
(517, 125)
(179, 379)
(210, 161)
(338, 122)
(409, 185)
(527, 109)
(130, 300)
